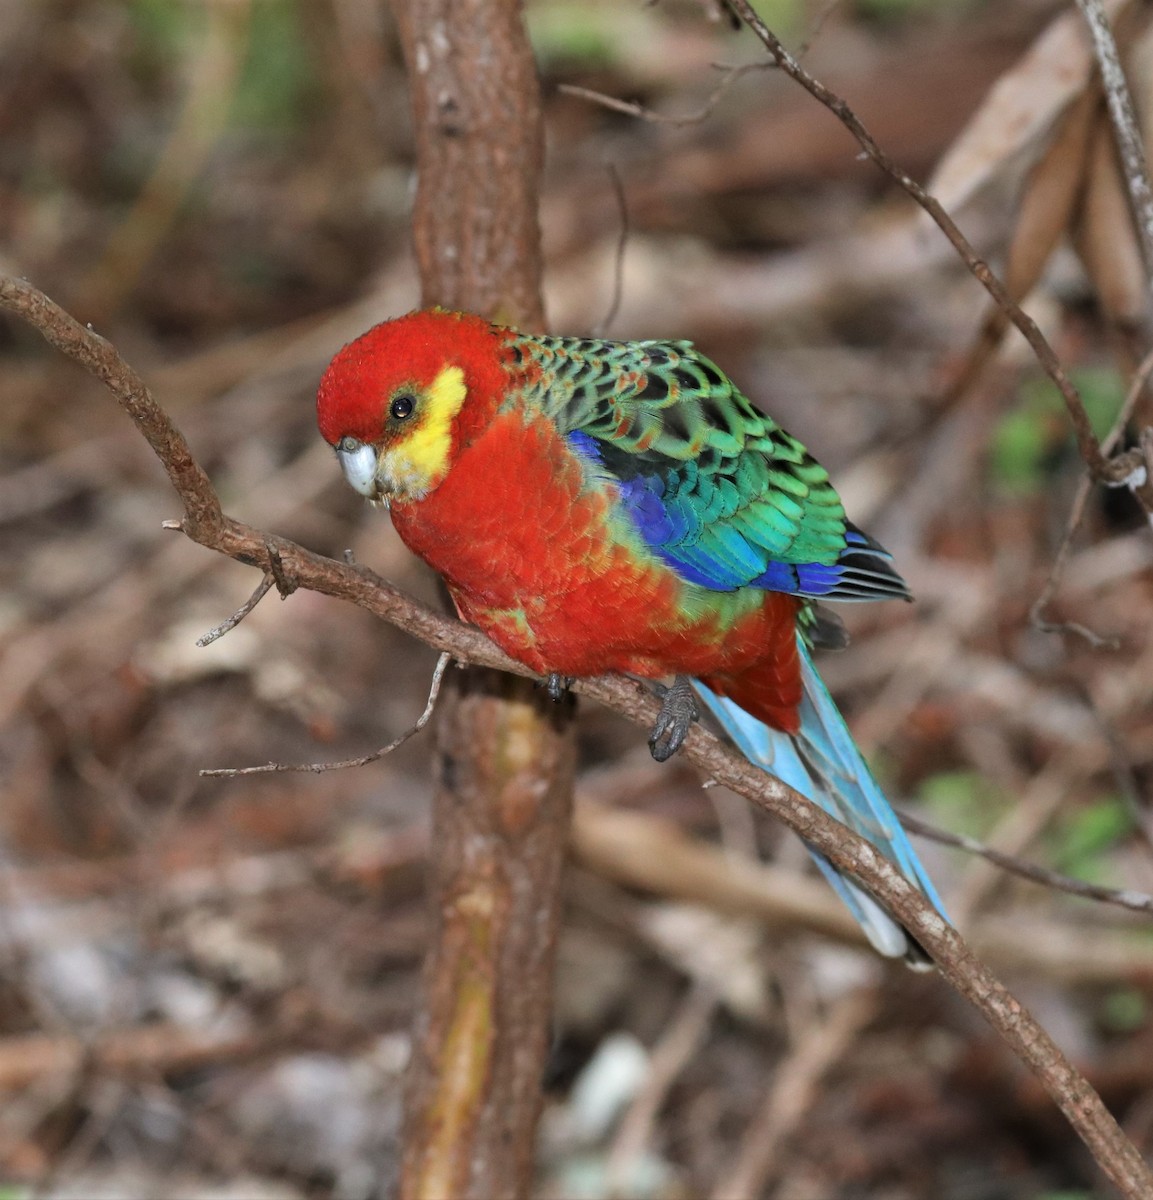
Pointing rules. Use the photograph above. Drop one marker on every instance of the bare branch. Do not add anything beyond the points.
(102, 359)
(1076, 514)
(1125, 128)
(316, 768)
(1140, 902)
(227, 626)
(632, 109)
(1102, 468)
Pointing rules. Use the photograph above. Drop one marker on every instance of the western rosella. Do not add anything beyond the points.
(620, 506)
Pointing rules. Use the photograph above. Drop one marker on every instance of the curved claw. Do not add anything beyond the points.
(557, 686)
(678, 712)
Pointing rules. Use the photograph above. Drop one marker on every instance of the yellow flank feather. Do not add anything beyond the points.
(416, 464)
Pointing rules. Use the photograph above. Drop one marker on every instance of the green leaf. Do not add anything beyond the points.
(279, 84)
(962, 801)
(1125, 1010)
(580, 33)
(1025, 441)
(1083, 837)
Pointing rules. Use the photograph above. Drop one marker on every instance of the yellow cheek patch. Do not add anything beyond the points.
(417, 463)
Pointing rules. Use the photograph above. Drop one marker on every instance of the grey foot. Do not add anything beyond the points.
(557, 686)
(678, 712)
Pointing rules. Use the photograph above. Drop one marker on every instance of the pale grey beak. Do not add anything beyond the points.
(358, 461)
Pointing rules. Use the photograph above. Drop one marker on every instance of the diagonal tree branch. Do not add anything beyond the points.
(100, 357)
(1116, 1155)
(1115, 470)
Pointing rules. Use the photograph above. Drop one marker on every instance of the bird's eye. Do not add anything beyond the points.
(401, 407)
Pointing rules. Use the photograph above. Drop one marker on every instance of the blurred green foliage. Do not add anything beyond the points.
(279, 83)
(575, 33)
(893, 11)
(1125, 1010)
(606, 34)
(162, 32)
(963, 801)
(1029, 439)
(1081, 838)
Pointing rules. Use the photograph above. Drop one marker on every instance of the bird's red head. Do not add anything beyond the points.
(398, 403)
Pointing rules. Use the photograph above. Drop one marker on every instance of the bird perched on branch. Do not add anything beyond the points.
(620, 506)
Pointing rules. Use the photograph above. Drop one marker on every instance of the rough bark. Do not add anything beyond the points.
(505, 752)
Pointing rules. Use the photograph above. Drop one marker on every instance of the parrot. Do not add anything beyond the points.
(597, 505)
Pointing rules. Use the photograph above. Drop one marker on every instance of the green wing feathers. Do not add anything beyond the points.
(716, 488)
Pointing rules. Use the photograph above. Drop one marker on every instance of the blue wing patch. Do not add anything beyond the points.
(713, 537)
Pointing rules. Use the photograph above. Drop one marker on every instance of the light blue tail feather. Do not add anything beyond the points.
(822, 762)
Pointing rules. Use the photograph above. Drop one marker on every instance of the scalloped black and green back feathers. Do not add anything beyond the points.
(717, 489)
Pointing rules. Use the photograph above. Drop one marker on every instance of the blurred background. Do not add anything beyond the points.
(207, 984)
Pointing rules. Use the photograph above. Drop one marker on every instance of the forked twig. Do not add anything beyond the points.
(317, 767)
(1135, 901)
(1076, 515)
(632, 109)
(1103, 468)
(227, 626)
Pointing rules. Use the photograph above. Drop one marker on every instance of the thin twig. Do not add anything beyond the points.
(1125, 129)
(85, 346)
(1103, 468)
(1036, 612)
(316, 768)
(632, 109)
(1123, 772)
(619, 256)
(1077, 513)
(227, 626)
(817, 27)
(1122, 897)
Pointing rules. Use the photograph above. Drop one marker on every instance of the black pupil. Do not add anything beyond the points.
(402, 407)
